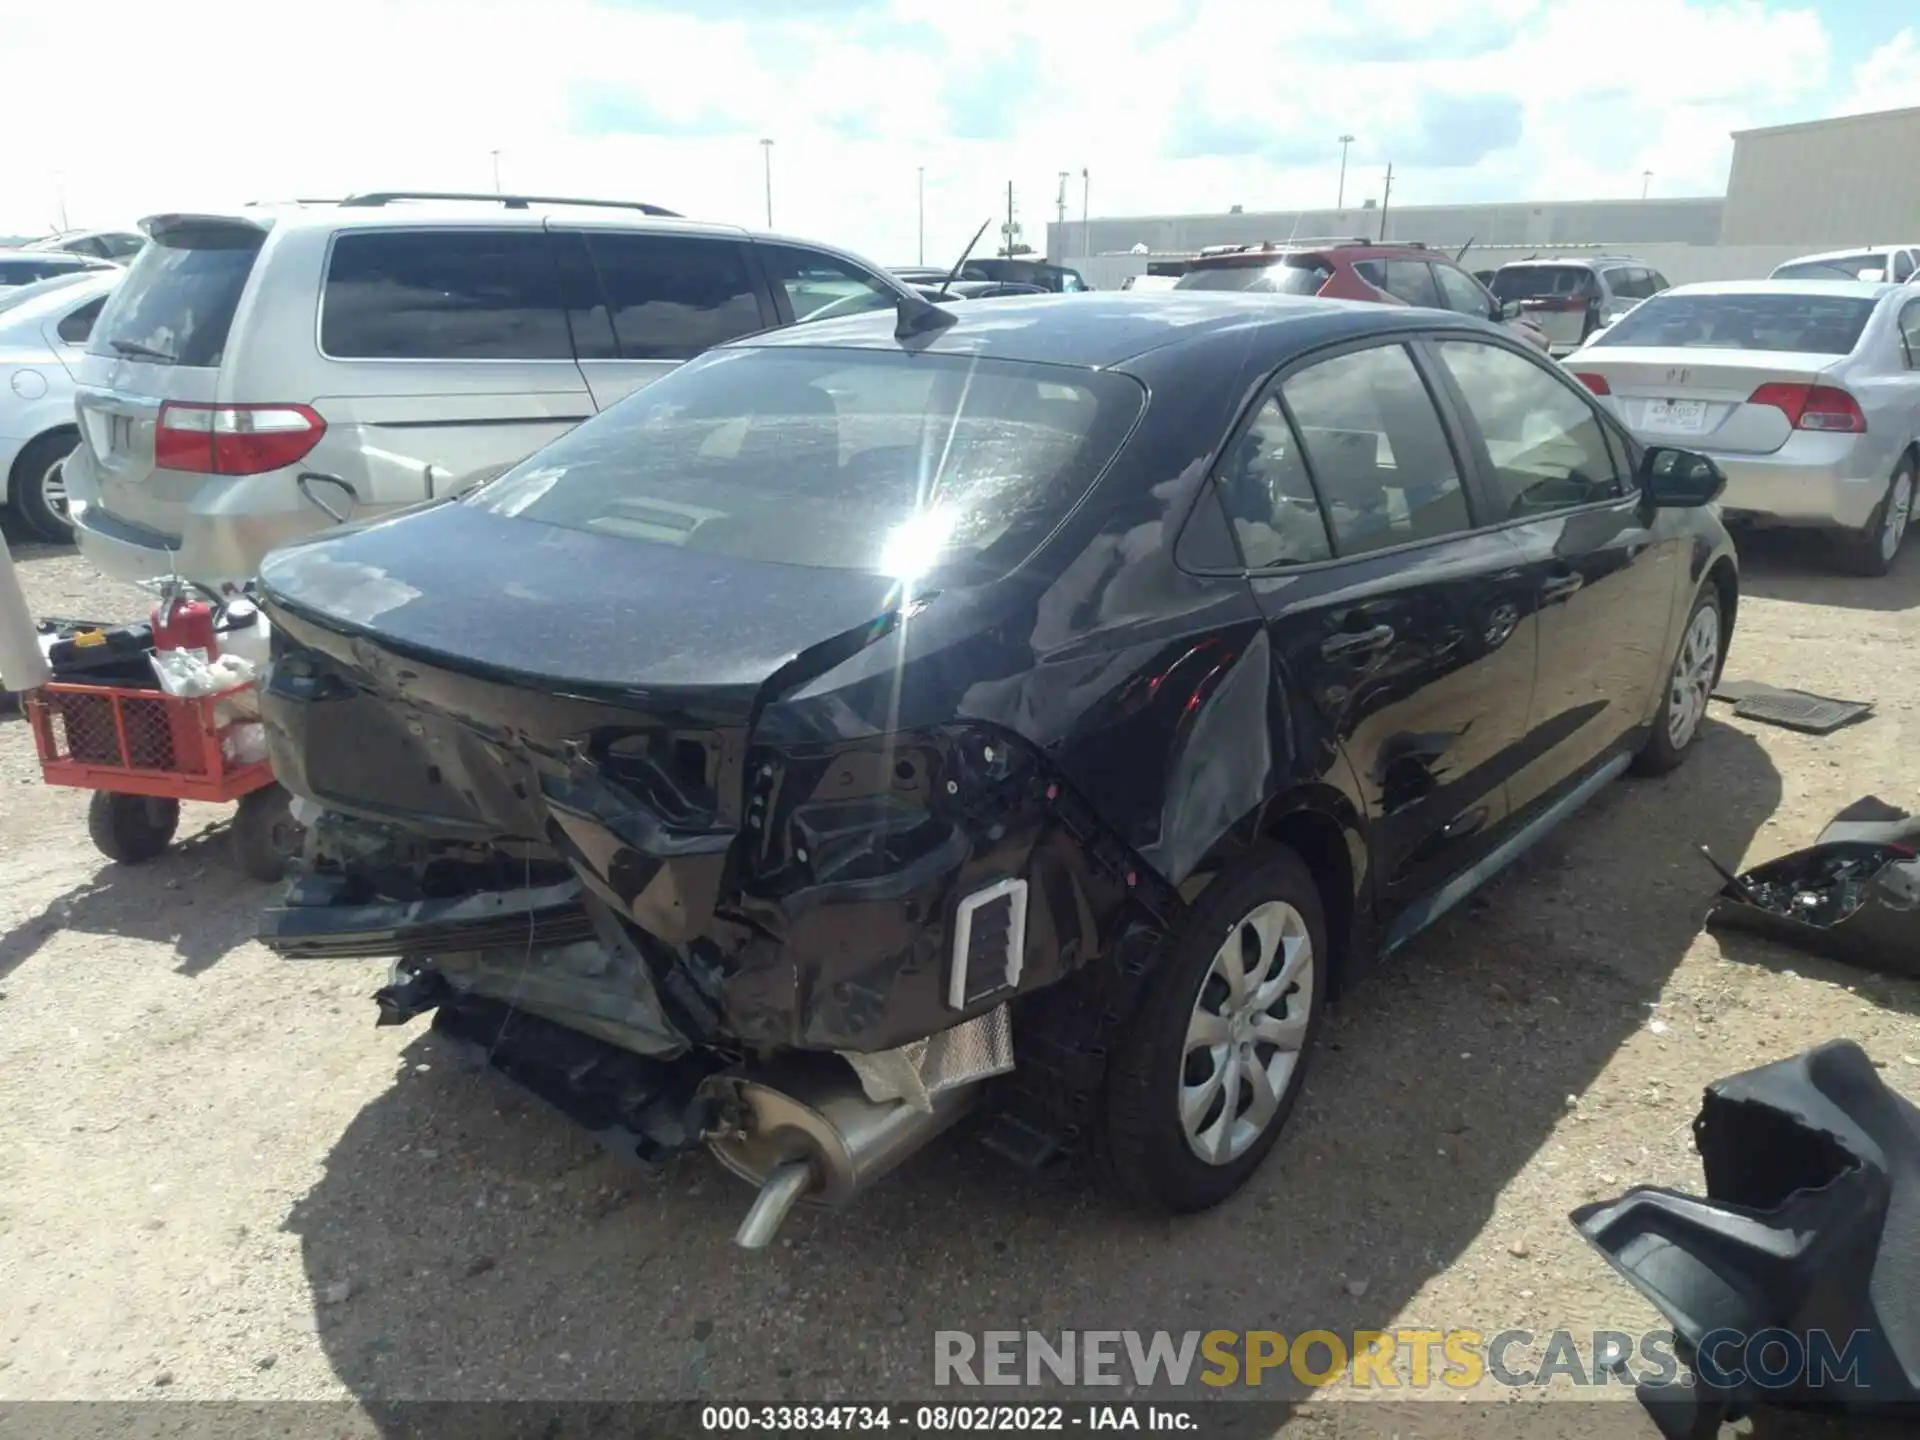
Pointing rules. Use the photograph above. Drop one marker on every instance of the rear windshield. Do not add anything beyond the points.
(1295, 275)
(1804, 324)
(25, 270)
(1535, 282)
(916, 466)
(177, 302)
(1869, 265)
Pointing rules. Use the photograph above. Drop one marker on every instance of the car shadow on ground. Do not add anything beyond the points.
(464, 1243)
(192, 897)
(1803, 568)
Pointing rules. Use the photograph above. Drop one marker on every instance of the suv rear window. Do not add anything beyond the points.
(1869, 265)
(1295, 275)
(900, 464)
(177, 302)
(1533, 282)
(443, 295)
(1806, 324)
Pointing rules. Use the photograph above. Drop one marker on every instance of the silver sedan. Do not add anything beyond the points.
(1807, 393)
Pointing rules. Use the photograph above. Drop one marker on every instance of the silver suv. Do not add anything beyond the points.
(264, 374)
(1570, 299)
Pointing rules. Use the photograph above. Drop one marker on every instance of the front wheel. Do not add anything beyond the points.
(1204, 1075)
(1873, 551)
(131, 828)
(1696, 670)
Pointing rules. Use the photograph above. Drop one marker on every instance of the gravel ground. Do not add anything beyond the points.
(219, 1180)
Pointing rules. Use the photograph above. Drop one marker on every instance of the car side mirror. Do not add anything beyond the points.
(1676, 479)
(1507, 309)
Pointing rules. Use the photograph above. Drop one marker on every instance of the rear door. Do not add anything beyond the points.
(446, 347)
(1602, 574)
(641, 303)
(1396, 628)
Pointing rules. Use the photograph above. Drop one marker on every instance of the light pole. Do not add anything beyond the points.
(766, 152)
(1086, 192)
(496, 170)
(1341, 203)
(921, 197)
(1646, 178)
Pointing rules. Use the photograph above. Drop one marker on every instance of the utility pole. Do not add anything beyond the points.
(1646, 178)
(1086, 233)
(496, 170)
(766, 152)
(922, 199)
(1386, 195)
(1341, 203)
(1010, 229)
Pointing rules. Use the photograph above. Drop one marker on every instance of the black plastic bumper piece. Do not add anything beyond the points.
(1810, 1231)
(636, 1107)
(546, 916)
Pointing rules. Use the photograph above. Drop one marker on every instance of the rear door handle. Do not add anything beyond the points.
(1559, 588)
(1357, 643)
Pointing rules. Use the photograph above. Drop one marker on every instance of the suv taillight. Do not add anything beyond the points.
(234, 439)
(1813, 407)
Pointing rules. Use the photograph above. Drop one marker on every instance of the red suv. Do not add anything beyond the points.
(1401, 274)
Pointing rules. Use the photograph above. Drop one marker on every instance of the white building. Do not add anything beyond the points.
(1821, 185)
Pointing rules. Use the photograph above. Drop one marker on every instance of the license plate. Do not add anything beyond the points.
(1688, 416)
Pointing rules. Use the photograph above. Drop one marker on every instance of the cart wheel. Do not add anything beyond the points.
(266, 837)
(131, 828)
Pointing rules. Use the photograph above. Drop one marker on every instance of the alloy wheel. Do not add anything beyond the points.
(1244, 1038)
(1693, 677)
(53, 488)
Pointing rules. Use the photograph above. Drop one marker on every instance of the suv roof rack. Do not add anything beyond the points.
(511, 202)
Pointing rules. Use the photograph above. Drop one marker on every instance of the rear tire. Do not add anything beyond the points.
(1690, 681)
(1871, 552)
(39, 495)
(131, 829)
(1206, 1071)
(266, 839)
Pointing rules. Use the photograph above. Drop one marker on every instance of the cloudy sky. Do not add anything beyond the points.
(1170, 105)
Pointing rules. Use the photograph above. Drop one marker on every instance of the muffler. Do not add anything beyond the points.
(804, 1130)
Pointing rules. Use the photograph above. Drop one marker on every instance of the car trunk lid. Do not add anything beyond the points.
(160, 340)
(1702, 397)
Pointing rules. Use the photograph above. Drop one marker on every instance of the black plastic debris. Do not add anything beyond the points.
(1793, 709)
(1796, 1281)
(1853, 897)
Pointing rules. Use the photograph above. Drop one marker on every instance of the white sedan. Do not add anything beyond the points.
(43, 329)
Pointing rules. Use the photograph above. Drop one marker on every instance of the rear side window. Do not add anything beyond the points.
(1268, 495)
(1539, 282)
(177, 302)
(1377, 450)
(1412, 281)
(1296, 275)
(1804, 324)
(443, 295)
(670, 296)
(819, 286)
(75, 328)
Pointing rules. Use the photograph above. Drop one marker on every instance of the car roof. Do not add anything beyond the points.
(1100, 329)
(1860, 289)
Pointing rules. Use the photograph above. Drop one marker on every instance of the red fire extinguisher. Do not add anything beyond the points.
(180, 623)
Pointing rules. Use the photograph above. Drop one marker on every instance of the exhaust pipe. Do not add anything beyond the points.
(805, 1130)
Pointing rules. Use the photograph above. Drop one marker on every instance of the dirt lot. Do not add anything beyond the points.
(218, 1179)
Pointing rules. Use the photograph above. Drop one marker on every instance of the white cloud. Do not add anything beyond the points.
(203, 104)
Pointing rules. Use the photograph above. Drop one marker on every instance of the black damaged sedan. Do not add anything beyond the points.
(1041, 708)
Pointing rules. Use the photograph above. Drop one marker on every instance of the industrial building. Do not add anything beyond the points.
(1818, 185)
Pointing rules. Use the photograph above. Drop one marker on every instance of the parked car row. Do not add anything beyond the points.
(44, 329)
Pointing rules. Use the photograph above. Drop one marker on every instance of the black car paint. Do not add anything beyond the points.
(786, 801)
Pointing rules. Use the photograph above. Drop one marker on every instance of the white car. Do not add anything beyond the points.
(119, 246)
(43, 329)
(1806, 393)
(1897, 264)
